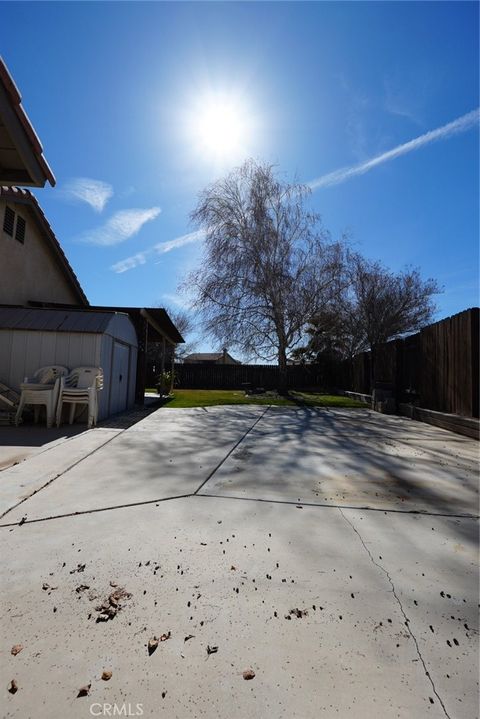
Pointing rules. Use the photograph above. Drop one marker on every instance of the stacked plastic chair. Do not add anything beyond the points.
(81, 386)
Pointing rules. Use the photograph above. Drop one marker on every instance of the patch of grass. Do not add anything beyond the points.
(214, 397)
(314, 399)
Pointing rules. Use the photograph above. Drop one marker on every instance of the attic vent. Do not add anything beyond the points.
(9, 221)
(20, 229)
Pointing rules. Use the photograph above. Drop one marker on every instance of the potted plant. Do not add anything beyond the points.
(164, 383)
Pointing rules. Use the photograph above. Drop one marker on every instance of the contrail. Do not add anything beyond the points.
(441, 133)
(159, 248)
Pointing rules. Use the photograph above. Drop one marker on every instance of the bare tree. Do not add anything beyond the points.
(384, 305)
(377, 305)
(268, 263)
(185, 325)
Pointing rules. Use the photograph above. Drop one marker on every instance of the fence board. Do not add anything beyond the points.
(438, 367)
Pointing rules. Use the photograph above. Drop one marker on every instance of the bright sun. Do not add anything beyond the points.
(220, 128)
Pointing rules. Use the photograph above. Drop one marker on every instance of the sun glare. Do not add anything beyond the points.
(219, 126)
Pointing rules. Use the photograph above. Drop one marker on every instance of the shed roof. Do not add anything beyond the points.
(55, 320)
(21, 153)
(160, 324)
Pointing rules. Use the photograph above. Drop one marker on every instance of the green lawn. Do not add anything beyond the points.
(212, 397)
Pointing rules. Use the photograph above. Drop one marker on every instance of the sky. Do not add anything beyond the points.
(139, 106)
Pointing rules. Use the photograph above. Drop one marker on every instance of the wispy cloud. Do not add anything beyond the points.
(177, 301)
(120, 227)
(441, 133)
(407, 99)
(95, 193)
(159, 249)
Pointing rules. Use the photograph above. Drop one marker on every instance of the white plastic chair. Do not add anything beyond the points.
(81, 386)
(41, 389)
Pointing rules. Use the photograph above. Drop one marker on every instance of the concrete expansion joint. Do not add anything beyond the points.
(60, 474)
(407, 620)
(215, 470)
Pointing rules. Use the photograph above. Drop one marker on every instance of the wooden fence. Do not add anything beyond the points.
(205, 376)
(436, 369)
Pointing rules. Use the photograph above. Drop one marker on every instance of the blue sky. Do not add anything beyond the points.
(118, 94)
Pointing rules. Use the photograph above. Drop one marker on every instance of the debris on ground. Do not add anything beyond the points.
(46, 587)
(109, 608)
(84, 691)
(81, 588)
(189, 636)
(152, 645)
(211, 650)
(13, 687)
(16, 649)
(248, 674)
(78, 568)
(299, 613)
(106, 675)
(166, 636)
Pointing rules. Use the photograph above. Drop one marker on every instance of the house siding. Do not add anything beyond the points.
(30, 271)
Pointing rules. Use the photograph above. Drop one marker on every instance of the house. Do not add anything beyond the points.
(34, 266)
(21, 154)
(222, 357)
(45, 316)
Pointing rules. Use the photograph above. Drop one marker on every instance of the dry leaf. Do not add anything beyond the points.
(152, 645)
(248, 674)
(299, 613)
(16, 649)
(13, 687)
(106, 675)
(84, 691)
(79, 568)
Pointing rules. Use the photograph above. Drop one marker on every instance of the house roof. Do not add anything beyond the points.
(54, 320)
(204, 356)
(25, 197)
(21, 153)
(208, 357)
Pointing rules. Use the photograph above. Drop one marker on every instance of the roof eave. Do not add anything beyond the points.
(36, 171)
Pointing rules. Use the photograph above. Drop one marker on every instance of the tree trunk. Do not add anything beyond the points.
(282, 367)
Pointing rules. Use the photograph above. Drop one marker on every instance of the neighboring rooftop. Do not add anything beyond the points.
(25, 197)
(21, 153)
(215, 357)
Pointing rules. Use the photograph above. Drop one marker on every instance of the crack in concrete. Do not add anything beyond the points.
(407, 620)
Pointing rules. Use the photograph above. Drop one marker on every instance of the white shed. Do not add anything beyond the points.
(34, 338)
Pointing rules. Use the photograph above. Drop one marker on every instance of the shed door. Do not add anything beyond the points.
(119, 378)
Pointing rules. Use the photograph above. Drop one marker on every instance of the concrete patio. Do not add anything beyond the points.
(332, 552)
